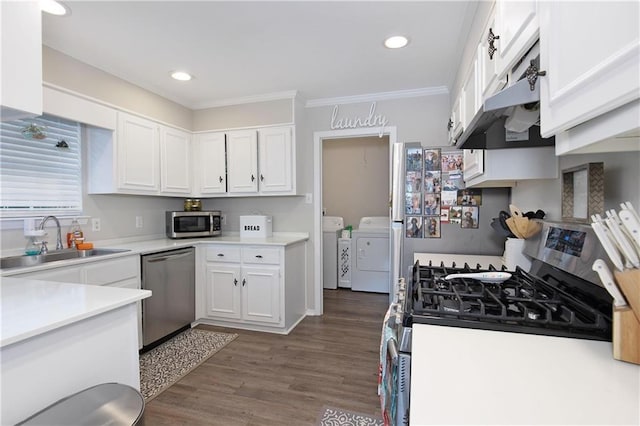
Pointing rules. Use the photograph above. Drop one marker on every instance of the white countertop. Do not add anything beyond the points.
(149, 246)
(464, 376)
(281, 239)
(33, 307)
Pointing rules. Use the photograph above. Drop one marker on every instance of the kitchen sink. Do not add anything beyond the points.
(67, 254)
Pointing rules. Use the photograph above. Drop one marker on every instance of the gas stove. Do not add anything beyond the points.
(556, 305)
(559, 295)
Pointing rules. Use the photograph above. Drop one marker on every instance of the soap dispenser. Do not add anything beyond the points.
(34, 241)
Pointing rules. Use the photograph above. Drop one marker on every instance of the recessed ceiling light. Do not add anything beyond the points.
(181, 75)
(54, 7)
(396, 42)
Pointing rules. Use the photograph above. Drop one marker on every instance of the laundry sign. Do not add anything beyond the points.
(371, 120)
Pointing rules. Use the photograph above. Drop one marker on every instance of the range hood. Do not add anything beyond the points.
(510, 118)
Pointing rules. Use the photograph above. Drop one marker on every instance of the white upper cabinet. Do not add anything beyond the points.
(210, 174)
(470, 98)
(21, 61)
(473, 163)
(276, 160)
(591, 53)
(138, 158)
(516, 28)
(175, 161)
(488, 80)
(261, 162)
(242, 161)
(455, 122)
(499, 168)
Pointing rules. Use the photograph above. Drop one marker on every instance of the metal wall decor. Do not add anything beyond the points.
(371, 120)
(582, 192)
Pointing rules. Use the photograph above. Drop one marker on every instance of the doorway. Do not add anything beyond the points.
(355, 177)
(335, 137)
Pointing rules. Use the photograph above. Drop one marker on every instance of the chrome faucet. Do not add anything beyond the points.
(59, 245)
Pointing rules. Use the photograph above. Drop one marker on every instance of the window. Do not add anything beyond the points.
(40, 167)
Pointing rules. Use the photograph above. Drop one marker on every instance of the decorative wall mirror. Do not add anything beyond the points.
(582, 192)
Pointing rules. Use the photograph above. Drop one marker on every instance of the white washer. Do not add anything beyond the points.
(331, 230)
(370, 259)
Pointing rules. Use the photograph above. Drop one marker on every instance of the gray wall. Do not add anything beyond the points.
(64, 71)
(621, 177)
(243, 115)
(355, 178)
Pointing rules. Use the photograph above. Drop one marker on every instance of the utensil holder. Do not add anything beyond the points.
(626, 321)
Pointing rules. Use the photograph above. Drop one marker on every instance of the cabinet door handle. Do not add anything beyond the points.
(490, 39)
(261, 178)
(220, 255)
(259, 256)
(235, 281)
(532, 74)
(220, 179)
(253, 178)
(244, 281)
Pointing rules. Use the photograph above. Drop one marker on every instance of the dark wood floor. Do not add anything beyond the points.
(270, 379)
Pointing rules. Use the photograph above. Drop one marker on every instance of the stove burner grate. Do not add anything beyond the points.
(523, 303)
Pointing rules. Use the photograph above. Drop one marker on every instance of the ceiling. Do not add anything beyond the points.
(239, 49)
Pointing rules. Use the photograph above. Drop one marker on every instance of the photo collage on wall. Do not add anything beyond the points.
(435, 193)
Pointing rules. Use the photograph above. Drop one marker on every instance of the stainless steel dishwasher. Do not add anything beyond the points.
(170, 275)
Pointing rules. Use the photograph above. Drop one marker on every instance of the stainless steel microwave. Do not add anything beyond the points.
(191, 224)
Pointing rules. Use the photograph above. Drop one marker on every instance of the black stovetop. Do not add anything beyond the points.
(552, 302)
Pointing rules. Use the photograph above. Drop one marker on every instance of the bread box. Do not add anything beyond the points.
(256, 226)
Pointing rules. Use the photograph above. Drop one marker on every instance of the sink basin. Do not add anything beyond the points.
(23, 261)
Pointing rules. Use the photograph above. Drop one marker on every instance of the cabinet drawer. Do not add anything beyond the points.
(261, 255)
(105, 272)
(223, 254)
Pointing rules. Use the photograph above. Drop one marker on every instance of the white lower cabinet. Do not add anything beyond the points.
(246, 290)
(123, 272)
(261, 294)
(223, 297)
(67, 274)
(250, 286)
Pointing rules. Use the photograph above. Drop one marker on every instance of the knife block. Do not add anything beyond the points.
(626, 320)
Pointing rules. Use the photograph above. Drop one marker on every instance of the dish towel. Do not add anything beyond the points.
(386, 374)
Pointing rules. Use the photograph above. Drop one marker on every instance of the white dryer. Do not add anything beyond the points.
(370, 260)
(331, 230)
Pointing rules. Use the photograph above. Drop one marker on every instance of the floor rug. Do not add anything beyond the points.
(166, 364)
(331, 416)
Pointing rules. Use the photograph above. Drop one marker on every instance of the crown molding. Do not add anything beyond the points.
(291, 94)
(381, 96)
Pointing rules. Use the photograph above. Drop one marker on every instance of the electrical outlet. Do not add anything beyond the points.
(95, 224)
(308, 198)
(223, 219)
(139, 222)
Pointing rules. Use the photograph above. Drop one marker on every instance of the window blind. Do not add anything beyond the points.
(37, 177)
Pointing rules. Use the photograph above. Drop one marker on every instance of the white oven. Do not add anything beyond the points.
(395, 347)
